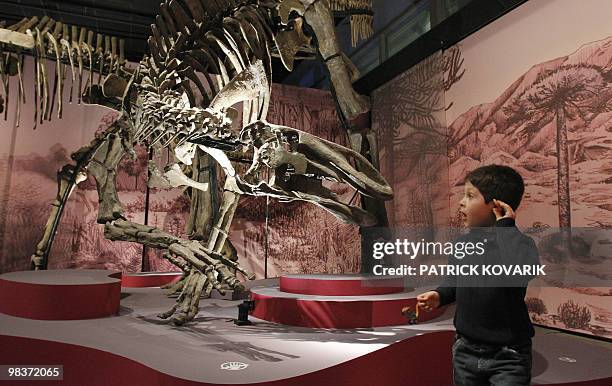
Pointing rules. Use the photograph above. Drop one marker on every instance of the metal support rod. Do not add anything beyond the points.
(146, 212)
(266, 233)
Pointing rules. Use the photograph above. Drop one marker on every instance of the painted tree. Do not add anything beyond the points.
(416, 99)
(570, 92)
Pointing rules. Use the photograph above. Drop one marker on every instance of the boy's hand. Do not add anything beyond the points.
(502, 210)
(428, 300)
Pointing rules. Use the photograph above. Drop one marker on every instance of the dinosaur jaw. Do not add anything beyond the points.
(298, 162)
(317, 195)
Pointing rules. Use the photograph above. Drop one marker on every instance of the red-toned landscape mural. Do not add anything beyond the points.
(552, 123)
(554, 126)
(300, 238)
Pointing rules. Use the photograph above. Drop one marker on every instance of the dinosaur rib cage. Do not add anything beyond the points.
(196, 49)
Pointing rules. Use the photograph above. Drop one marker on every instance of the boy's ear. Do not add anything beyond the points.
(491, 204)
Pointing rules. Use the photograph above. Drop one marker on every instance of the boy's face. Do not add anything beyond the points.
(474, 211)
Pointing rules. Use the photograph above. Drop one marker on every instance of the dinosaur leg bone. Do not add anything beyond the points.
(205, 268)
(68, 177)
(223, 219)
(103, 167)
(319, 17)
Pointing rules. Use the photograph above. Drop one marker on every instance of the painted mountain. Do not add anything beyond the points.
(554, 126)
(519, 129)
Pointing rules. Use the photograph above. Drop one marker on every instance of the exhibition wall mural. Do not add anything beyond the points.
(515, 105)
(408, 115)
(29, 160)
(302, 238)
(509, 105)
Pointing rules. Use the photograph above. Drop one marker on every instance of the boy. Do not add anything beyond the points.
(493, 340)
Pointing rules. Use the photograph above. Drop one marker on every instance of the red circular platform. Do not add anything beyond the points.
(336, 301)
(149, 279)
(341, 285)
(63, 294)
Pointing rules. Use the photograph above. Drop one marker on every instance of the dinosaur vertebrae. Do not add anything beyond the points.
(73, 45)
(170, 118)
(208, 43)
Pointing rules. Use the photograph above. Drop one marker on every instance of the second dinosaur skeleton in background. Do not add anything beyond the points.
(205, 58)
(66, 45)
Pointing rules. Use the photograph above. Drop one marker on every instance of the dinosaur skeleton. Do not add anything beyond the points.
(205, 58)
(66, 45)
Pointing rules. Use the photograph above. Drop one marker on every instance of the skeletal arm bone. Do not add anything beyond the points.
(225, 214)
(103, 167)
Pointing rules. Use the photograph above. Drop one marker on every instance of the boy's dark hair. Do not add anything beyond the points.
(498, 182)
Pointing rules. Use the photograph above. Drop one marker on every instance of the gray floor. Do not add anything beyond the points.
(272, 351)
(196, 352)
(559, 357)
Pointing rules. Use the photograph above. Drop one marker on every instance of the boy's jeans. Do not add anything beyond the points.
(484, 364)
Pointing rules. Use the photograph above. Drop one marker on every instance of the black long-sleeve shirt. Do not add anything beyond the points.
(495, 315)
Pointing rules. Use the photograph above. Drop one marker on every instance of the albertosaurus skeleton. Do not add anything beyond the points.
(205, 58)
